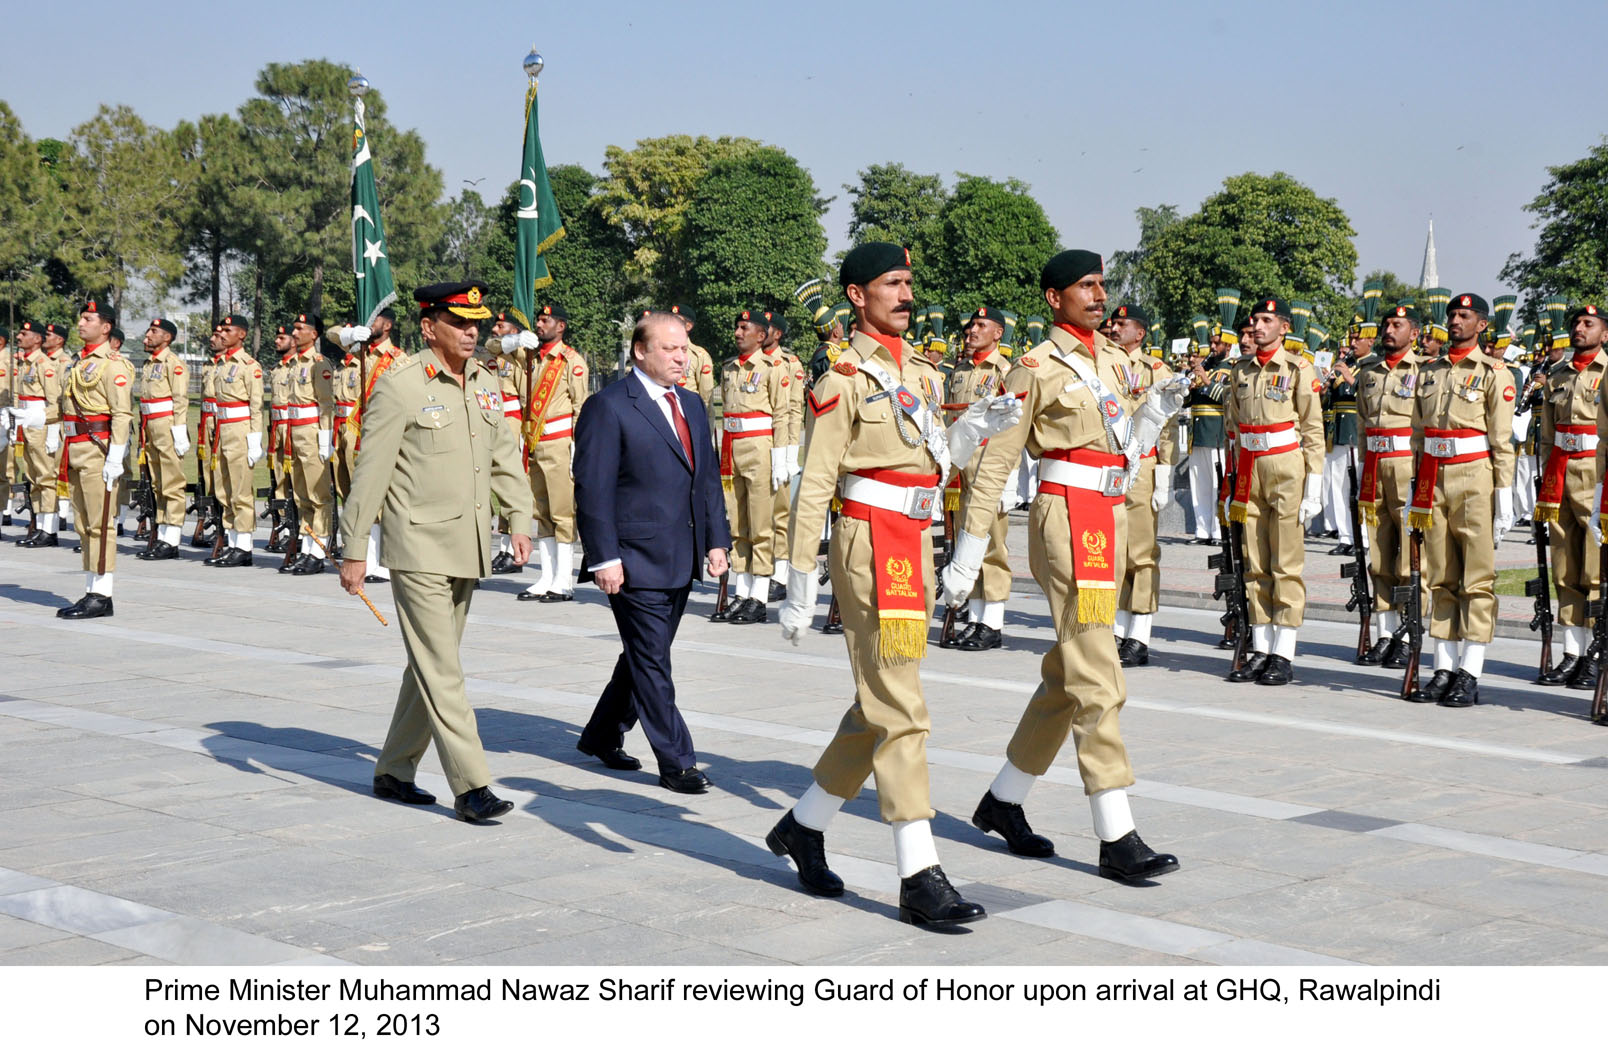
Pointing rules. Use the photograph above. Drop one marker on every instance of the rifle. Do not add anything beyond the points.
(276, 509)
(1409, 601)
(1230, 581)
(1540, 587)
(1356, 569)
(293, 529)
(335, 509)
(1599, 639)
(946, 634)
(144, 497)
(720, 599)
(834, 616)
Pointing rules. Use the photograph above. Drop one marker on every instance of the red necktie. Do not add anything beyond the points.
(681, 424)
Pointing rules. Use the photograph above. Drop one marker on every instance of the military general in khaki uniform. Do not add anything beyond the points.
(1274, 413)
(434, 453)
(556, 386)
(165, 433)
(1465, 402)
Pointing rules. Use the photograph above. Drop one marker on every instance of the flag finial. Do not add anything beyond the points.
(534, 62)
(358, 85)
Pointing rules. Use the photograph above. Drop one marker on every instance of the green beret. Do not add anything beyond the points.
(1406, 312)
(870, 260)
(1588, 310)
(1470, 301)
(988, 313)
(1131, 313)
(1273, 305)
(1069, 267)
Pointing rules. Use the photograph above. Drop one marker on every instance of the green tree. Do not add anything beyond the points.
(1125, 275)
(645, 193)
(993, 240)
(1394, 291)
(1261, 235)
(752, 234)
(891, 203)
(1570, 258)
(30, 214)
(468, 228)
(214, 151)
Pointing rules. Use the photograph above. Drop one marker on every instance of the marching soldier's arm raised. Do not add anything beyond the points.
(1001, 454)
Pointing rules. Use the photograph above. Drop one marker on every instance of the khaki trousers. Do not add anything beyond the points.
(42, 469)
(751, 508)
(233, 489)
(310, 480)
(1389, 561)
(1576, 560)
(1275, 541)
(780, 512)
(994, 580)
(1459, 556)
(431, 610)
(88, 495)
(1139, 591)
(1081, 687)
(167, 473)
(345, 461)
(884, 732)
(553, 487)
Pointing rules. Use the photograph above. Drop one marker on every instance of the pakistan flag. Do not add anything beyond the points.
(372, 267)
(537, 220)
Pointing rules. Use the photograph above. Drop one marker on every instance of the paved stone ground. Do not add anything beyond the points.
(188, 783)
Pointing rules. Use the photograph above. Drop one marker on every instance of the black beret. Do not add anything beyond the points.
(100, 308)
(1590, 309)
(1273, 305)
(775, 320)
(1069, 267)
(870, 260)
(387, 313)
(1470, 301)
(988, 313)
(1408, 313)
(29, 326)
(57, 330)
(555, 310)
(756, 317)
(1131, 313)
(310, 319)
(117, 334)
(685, 313)
(283, 330)
(463, 298)
(165, 325)
(236, 320)
(4, 335)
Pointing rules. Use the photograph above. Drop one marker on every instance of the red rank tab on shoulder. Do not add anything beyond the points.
(846, 368)
(1031, 363)
(1507, 394)
(820, 409)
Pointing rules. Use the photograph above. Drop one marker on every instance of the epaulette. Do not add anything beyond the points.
(847, 368)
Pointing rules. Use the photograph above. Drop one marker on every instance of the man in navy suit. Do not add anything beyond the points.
(648, 505)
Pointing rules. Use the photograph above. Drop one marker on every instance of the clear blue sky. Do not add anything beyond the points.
(1398, 110)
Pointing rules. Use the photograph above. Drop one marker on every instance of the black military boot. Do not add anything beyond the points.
(1433, 690)
(1010, 822)
(957, 641)
(980, 638)
(1251, 670)
(1375, 654)
(1399, 655)
(1463, 692)
(90, 606)
(807, 849)
(1585, 676)
(1128, 859)
(1562, 673)
(927, 899)
(1133, 653)
(1278, 672)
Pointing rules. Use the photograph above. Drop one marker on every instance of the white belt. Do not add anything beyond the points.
(1572, 443)
(296, 410)
(208, 406)
(345, 409)
(755, 424)
(1104, 480)
(23, 401)
(557, 424)
(1260, 441)
(276, 414)
(511, 406)
(152, 406)
(914, 502)
(230, 416)
(1389, 444)
(1444, 446)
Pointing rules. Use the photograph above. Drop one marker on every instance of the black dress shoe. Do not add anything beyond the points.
(1433, 690)
(981, 639)
(752, 610)
(23, 541)
(1341, 551)
(1375, 654)
(807, 849)
(778, 592)
(958, 639)
(481, 805)
(375, 579)
(390, 787)
(1399, 654)
(1560, 675)
(1225, 642)
(724, 615)
(615, 759)
(234, 558)
(554, 597)
(1464, 691)
(307, 564)
(1251, 670)
(39, 541)
(927, 899)
(687, 780)
(501, 562)
(79, 548)
(1585, 676)
(1133, 653)
(90, 606)
(1277, 672)
(830, 627)
(160, 551)
(1009, 821)
(1129, 859)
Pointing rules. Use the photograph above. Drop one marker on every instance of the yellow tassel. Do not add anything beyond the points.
(725, 482)
(1097, 606)
(1370, 513)
(899, 640)
(1236, 513)
(837, 504)
(952, 499)
(1546, 514)
(1422, 521)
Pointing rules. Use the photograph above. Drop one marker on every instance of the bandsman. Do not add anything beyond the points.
(237, 399)
(1465, 399)
(165, 434)
(309, 425)
(556, 388)
(1208, 373)
(38, 420)
(1341, 395)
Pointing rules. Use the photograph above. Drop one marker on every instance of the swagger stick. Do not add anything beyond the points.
(309, 532)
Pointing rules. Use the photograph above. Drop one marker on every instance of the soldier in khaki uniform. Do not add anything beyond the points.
(309, 424)
(980, 372)
(1465, 400)
(1088, 446)
(755, 433)
(278, 455)
(505, 359)
(38, 419)
(555, 389)
(62, 359)
(1138, 597)
(1386, 383)
(348, 387)
(98, 415)
(434, 453)
(794, 386)
(1274, 413)
(7, 432)
(1571, 487)
(700, 375)
(164, 398)
(878, 441)
(237, 401)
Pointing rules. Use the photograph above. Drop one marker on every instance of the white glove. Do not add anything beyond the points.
(1312, 500)
(52, 438)
(1162, 403)
(343, 336)
(112, 471)
(1163, 494)
(181, 439)
(1596, 515)
(29, 416)
(323, 446)
(779, 474)
(494, 345)
(253, 448)
(984, 417)
(527, 341)
(361, 334)
(793, 467)
(1503, 522)
(5, 420)
(965, 562)
(799, 609)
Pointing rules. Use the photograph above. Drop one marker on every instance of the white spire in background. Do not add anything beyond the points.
(1429, 276)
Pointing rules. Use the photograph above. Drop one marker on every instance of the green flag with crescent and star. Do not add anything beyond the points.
(375, 288)
(538, 225)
